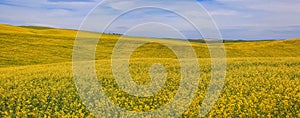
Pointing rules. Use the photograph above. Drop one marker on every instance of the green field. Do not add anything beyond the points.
(36, 78)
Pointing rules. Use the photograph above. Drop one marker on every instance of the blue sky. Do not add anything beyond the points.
(236, 19)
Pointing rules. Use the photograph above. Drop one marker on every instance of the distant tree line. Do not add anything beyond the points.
(115, 34)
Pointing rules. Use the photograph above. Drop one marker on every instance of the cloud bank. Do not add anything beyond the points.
(236, 19)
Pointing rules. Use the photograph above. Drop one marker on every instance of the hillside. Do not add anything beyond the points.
(36, 77)
(39, 45)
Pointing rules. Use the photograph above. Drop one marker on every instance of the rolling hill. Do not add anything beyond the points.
(36, 45)
(36, 76)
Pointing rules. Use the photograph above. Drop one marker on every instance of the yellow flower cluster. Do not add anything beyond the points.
(258, 87)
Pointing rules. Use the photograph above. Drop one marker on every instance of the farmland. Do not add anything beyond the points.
(36, 78)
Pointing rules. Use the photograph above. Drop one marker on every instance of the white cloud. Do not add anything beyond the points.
(224, 13)
(31, 12)
(269, 12)
(156, 11)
